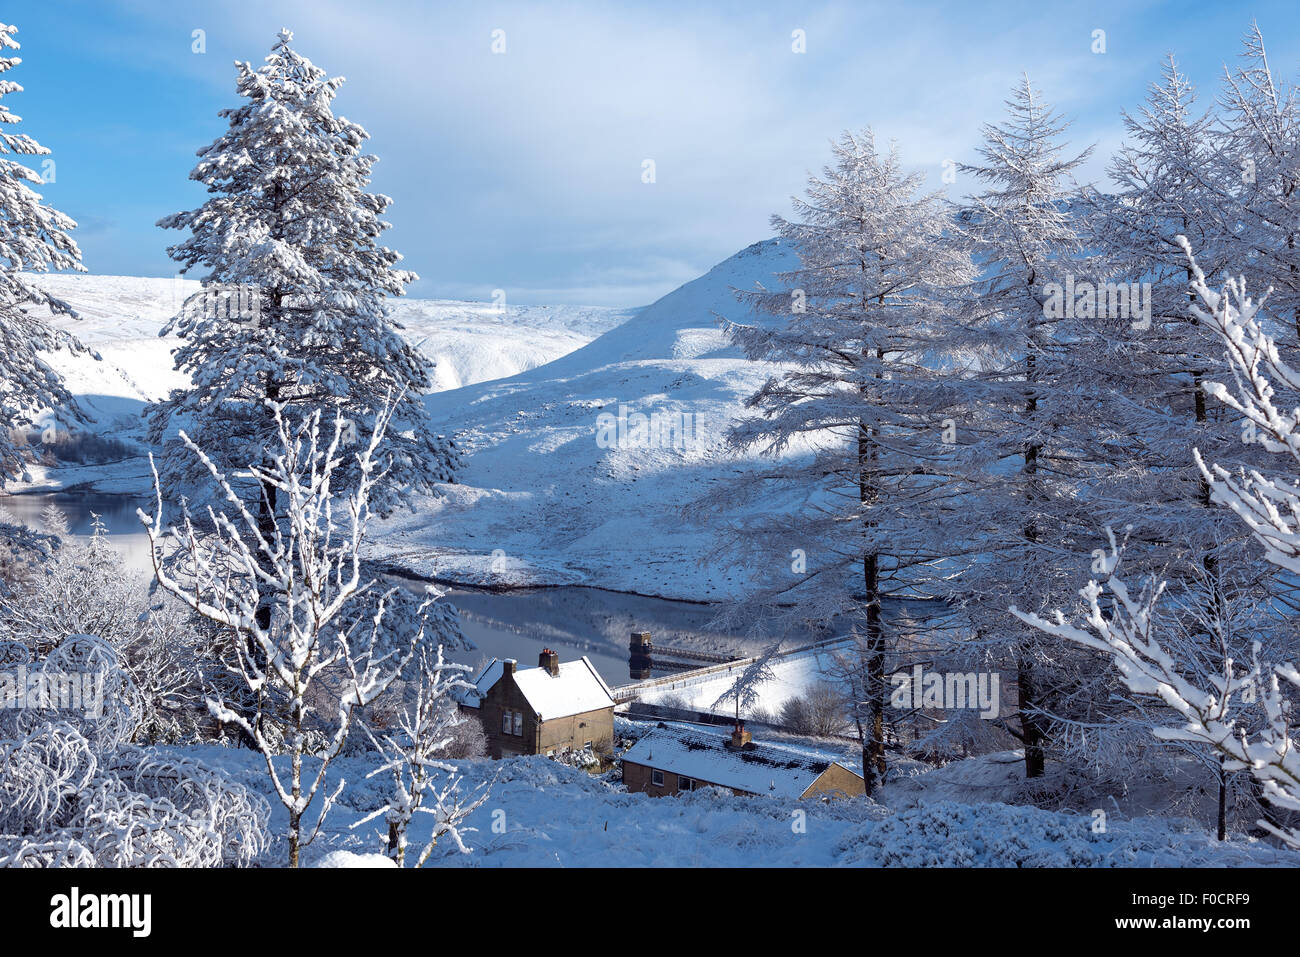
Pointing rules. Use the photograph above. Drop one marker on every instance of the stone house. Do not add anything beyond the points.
(545, 709)
(669, 760)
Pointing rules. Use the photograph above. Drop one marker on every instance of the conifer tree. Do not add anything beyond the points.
(293, 309)
(33, 238)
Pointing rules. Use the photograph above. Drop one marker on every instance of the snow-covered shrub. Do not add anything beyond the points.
(72, 793)
(947, 834)
(466, 740)
(82, 590)
(423, 782)
(821, 710)
(22, 552)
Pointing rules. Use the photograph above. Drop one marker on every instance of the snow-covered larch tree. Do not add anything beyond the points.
(860, 419)
(33, 238)
(1169, 174)
(1036, 394)
(293, 308)
(1128, 628)
(318, 635)
(746, 691)
(1257, 144)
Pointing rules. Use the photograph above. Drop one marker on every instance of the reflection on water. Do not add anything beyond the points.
(117, 512)
(578, 621)
(572, 620)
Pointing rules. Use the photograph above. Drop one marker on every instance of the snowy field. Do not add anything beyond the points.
(549, 815)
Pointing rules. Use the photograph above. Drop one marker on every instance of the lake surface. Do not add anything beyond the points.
(572, 620)
(117, 512)
(577, 621)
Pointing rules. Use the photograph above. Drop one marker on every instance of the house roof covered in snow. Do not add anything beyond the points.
(705, 756)
(578, 688)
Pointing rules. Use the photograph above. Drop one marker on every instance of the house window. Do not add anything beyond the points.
(685, 784)
(657, 778)
(586, 744)
(512, 722)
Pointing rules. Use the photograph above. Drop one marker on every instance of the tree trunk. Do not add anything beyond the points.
(1031, 728)
(873, 751)
(1223, 801)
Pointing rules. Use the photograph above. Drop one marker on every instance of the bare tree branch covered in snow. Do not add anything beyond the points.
(311, 565)
(424, 783)
(82, 589)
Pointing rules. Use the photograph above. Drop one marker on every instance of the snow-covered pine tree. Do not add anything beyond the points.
(293, 308)
(858, 421)
(33, 238)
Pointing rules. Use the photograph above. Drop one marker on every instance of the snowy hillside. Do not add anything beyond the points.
(121, 316)
(541, 500)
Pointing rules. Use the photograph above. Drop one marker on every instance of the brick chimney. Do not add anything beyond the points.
(508, 666)
(549, 660)
(740, 738)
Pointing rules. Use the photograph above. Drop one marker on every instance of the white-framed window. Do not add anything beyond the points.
(657, 778)
(505, 723)
(685, 784)
(519, 722)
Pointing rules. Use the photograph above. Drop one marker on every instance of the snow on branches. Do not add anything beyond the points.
(1126, 628)
(422, 782)
(74, 794)
(290, 235)
(33, 238)
(318, 656)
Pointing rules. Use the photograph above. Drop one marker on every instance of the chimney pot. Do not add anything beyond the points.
(549, 660)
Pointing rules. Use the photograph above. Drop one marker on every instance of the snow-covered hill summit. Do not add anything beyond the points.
(563, 482)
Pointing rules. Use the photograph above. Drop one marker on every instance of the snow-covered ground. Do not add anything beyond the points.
(542, 813)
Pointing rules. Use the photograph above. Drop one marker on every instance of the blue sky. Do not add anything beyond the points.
(522, 171)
